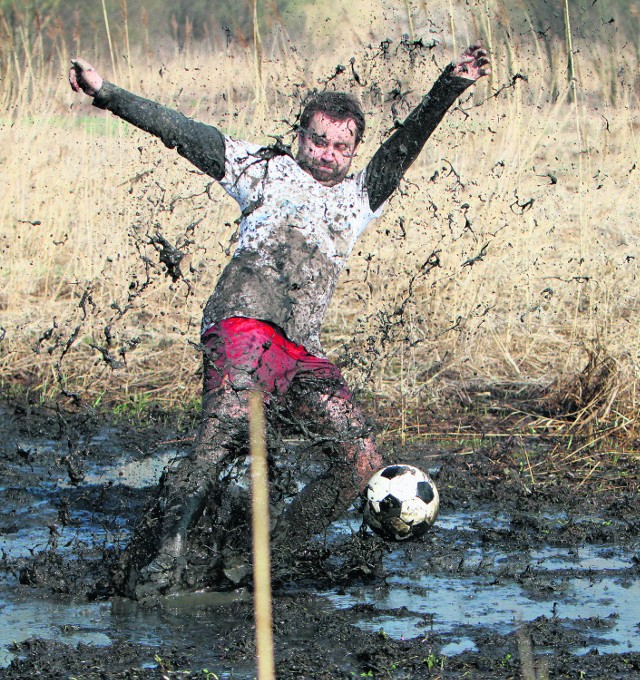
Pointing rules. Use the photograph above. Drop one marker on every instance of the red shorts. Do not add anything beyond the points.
(254, 354)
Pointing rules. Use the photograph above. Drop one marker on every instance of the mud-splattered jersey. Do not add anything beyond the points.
(294, 239)
(295, 234)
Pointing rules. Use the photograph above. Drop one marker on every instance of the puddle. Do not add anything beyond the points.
(136, 474)
(68, 623)
(447, 605)
(487, 589)
(578, 584)
(36, 507)
(101, 624)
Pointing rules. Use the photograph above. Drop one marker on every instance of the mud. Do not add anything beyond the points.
(523, 575)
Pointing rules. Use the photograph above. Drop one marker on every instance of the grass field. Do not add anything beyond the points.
(509, 260)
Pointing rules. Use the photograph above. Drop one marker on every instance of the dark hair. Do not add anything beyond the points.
(338, 105)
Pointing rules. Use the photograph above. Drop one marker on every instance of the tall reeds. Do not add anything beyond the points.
(108, 36)
(509, 250)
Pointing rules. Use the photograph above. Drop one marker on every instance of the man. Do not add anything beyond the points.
(300, 220)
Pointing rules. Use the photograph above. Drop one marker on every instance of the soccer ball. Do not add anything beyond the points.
(401, 502)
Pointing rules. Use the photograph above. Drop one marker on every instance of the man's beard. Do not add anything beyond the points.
(322, 173)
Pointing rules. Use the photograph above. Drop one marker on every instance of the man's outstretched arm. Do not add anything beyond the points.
(199, 143)
(393, 158)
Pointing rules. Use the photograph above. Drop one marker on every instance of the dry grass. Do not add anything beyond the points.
(510, 257)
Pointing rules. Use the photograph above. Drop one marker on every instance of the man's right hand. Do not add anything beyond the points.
(82, 76)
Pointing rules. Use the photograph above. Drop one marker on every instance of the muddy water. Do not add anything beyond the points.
(486, 588)
(468, 576)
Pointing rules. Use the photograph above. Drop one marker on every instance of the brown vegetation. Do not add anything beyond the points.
(510, 259)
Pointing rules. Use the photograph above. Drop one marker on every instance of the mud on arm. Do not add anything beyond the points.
(393, 158)
(201, 144)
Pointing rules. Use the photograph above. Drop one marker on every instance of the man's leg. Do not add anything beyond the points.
(198, 521)
(336, 424)
(155, 561)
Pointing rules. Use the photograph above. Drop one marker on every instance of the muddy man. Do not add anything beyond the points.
(300, 218)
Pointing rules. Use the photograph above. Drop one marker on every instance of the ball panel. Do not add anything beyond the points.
(414, 511)
(399, 530)
(392, 471)
(391, 506)
(404, 486)
(378, 487)
(425, 492)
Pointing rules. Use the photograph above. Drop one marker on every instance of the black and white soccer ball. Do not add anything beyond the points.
(401, 502)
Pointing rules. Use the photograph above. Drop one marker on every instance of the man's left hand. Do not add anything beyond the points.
(473, 63)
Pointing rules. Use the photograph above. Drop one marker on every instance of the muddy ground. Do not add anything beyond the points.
(531, 570)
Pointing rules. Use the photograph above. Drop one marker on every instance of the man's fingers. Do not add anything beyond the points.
(73, 78)
(480, 57)
(73, 81)
(474, 52)
(473, 63)
(81, 64)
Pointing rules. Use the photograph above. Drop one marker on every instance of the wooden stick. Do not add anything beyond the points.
(261, 548)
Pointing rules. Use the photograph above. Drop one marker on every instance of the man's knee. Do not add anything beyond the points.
(224, 423)
(330, 414)
(367, 463)
(346, 422)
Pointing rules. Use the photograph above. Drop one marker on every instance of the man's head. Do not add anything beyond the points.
(331, 127)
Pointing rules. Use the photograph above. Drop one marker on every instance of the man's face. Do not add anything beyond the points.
(326, 148)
